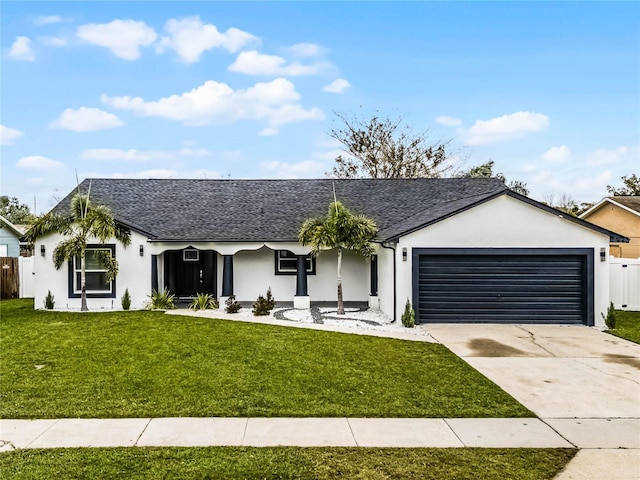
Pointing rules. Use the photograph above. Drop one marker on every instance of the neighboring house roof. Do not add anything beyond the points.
(630, 203)
(274, 210)
(18, 231)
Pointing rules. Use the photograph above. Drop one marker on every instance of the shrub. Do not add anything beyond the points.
(264, 305)
(408, 316)
(610, 319)
(231, 305)
(126, 300)
(203, 301)
(49, 301)
(271, 302)
(163, 300)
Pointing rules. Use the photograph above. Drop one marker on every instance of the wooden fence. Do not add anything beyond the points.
(9, 277)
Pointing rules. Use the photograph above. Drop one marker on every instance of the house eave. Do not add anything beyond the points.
(613, 236)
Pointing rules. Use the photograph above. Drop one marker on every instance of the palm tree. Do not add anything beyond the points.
(86, 222)
(339, 229)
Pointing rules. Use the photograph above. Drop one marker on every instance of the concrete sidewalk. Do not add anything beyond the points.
(324, 432)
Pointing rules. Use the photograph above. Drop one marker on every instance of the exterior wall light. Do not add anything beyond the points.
(404, 254)
(141, 250)
(603, 254)
(42, 250)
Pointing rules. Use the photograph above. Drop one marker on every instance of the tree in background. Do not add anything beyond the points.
(566, 203)
(342, 230)
(631, 187)
(86, 222)
(386, 148)
(14, 211)
(485, 170)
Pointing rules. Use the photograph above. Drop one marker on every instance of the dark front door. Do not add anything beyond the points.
(190, 271)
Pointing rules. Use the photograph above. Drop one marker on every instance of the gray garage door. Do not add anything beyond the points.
(547, 286)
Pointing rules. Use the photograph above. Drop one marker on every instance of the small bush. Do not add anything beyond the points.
(126, 300)
(610, 318)
(204, 301)
(271, 302)
(264, 305)
(49, 301)
(231, 305)
(163, 300)
(408, 316)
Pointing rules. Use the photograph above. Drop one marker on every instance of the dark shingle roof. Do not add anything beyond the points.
(632, 202)
(273, 210)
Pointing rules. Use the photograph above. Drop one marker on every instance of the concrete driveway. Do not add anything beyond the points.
(556, 371)
(583, 383)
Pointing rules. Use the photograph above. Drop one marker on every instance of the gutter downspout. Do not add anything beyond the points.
(394, 280)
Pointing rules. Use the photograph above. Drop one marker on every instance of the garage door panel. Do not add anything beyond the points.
(503, 287)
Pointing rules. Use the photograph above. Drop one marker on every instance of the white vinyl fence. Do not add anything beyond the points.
(624, 283)
(25, 267)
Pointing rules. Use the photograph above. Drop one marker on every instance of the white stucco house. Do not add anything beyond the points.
(461, 250)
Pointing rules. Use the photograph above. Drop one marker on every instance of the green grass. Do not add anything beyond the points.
(627, 325)
(148, 364)
(285, 463)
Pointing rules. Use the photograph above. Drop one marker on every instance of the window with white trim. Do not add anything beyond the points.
(95, 273)
(287, 263)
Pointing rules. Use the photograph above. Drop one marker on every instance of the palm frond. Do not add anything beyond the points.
(67, 249)
(48, 223)
(109, 263)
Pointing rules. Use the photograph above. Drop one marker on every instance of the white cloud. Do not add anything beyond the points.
(558, 154)
(214, 102)
(506, 127)
(133, 155)
(123, 37)
(301, 50)
(189, 37)
(337, 86)
(304, 169)
(448, 121)
(108, 154)
(86, 119)
(8, 135)
(255, 63)
(605, 156)
(53, 41)
(37, 161)
(21, 50)
(47, 19)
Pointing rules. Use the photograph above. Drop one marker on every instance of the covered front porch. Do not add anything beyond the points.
(245, 271)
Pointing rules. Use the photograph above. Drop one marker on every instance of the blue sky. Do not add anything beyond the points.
(548, 90)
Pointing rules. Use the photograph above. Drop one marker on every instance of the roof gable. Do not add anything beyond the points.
(13, 228)
(630, 203)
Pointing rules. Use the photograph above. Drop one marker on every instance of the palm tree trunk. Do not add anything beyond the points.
(340, 310)
(83, 282)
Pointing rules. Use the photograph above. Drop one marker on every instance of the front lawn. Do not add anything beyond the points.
(147, 364)
(627, 325)
(285, 463)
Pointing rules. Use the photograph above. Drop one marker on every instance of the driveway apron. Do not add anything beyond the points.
(555, 371)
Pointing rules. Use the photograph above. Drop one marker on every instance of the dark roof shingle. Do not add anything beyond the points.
(274, 210)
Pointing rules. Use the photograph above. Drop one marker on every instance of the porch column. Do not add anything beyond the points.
(301, 299)
(154, 272)
(374, 302)
(301, 276)
(227, 275)
(374, 275)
